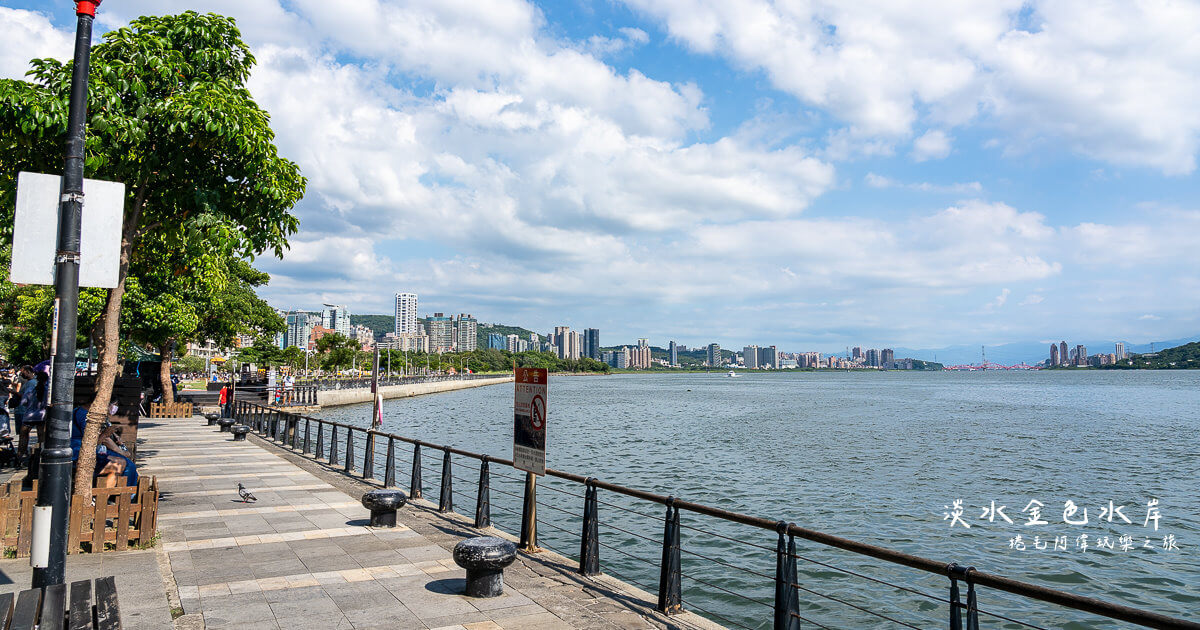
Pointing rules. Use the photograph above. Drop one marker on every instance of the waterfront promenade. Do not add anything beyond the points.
(302, 556)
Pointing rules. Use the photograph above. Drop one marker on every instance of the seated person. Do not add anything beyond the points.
(112, 460)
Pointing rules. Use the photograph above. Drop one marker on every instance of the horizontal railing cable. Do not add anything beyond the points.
(854, 606)
(728, 592)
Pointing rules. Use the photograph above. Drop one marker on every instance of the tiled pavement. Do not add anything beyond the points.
(302, 556)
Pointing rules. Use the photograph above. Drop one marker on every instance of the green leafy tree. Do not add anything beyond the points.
(169, 115)
(338, 351)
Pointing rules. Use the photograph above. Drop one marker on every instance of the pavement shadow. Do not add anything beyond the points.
(450, 586)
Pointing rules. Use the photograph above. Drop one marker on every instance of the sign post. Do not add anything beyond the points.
(529, 420)
(529, 443)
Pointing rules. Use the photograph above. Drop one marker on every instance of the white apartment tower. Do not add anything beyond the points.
(336, 318)
(406, 314)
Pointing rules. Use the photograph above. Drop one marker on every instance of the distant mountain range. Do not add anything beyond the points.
(1028, 352)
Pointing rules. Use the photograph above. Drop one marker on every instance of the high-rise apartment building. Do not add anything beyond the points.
(299, 328)
(496, 341)
(591, 343)
(858, 353)
(1054, 360)
(1080, 355)
(336, 318)
(441, 333)
(1062, 353)
(466, 330)
(639, 357)
(768, 357)
(406, 314)
(673, 354)
(567, 344)
(750, 357)
(713, 357)
(872, 357)
(1120, 351)
(887, 357)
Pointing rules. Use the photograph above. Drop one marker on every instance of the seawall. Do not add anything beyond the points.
(334, 397)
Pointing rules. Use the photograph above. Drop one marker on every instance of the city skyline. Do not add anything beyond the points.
(519, 159)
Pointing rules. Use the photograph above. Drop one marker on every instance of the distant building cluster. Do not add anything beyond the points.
(1061, 356)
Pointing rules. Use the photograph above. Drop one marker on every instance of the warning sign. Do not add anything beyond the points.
(529, 420)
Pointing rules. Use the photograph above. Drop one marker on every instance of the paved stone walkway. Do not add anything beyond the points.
(303, 557)
(141, 594)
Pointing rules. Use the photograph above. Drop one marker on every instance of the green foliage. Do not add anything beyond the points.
(487, 360)
(482, 333)
(1183, 357)
(188, 363)
(26, 316)
(170, 117)
(379, 324)
(339, 351)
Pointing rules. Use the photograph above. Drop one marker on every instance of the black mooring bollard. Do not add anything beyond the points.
(383, 504)
(484, 558)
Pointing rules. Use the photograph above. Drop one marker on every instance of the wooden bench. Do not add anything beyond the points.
(49, 607)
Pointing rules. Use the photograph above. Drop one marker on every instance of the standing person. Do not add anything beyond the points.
(224, 399)
(30, 412)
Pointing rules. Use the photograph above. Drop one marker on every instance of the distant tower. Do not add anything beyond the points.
(1053, 354)
(1062, 353)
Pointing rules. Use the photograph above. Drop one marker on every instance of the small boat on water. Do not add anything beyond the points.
(732, 374)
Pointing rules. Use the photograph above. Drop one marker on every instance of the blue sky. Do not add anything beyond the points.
(810, 175)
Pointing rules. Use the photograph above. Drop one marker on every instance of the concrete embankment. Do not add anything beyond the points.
(331, 398)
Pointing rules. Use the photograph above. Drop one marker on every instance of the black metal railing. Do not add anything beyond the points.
(342, 382)
(721, 578)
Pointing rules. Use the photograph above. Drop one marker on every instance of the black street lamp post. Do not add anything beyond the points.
(51, 512)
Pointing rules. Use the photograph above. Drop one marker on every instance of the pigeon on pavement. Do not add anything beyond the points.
(245, 494)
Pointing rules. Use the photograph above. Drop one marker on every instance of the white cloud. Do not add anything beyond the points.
(879, 181)
(1031, 299)
(1149, 317)
(998, 301)
(26, 35)
(1114, 81)
(933, 145)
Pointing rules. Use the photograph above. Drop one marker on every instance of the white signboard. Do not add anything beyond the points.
(529, 420)
(35, 230)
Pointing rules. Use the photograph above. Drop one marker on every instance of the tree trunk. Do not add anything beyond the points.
(109, 327)
(98, 411)
(164, 372)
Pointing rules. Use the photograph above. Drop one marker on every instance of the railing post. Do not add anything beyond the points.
(333, 444)
(389, 465)
(414, 491)
(349, 449)
(529, 515)
(670, 588)
(956, 573)
(446, 496)
(483, 498)
(369, 457)
(320, 439)
(787, 600)
(307, 435)
(589, 542)
(294, 428)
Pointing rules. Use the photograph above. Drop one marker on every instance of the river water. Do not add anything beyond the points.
(878, 457)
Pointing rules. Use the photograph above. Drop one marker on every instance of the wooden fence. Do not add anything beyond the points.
(171, 410)
(117, 521)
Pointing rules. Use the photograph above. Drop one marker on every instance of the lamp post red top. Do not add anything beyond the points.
(87, 7)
